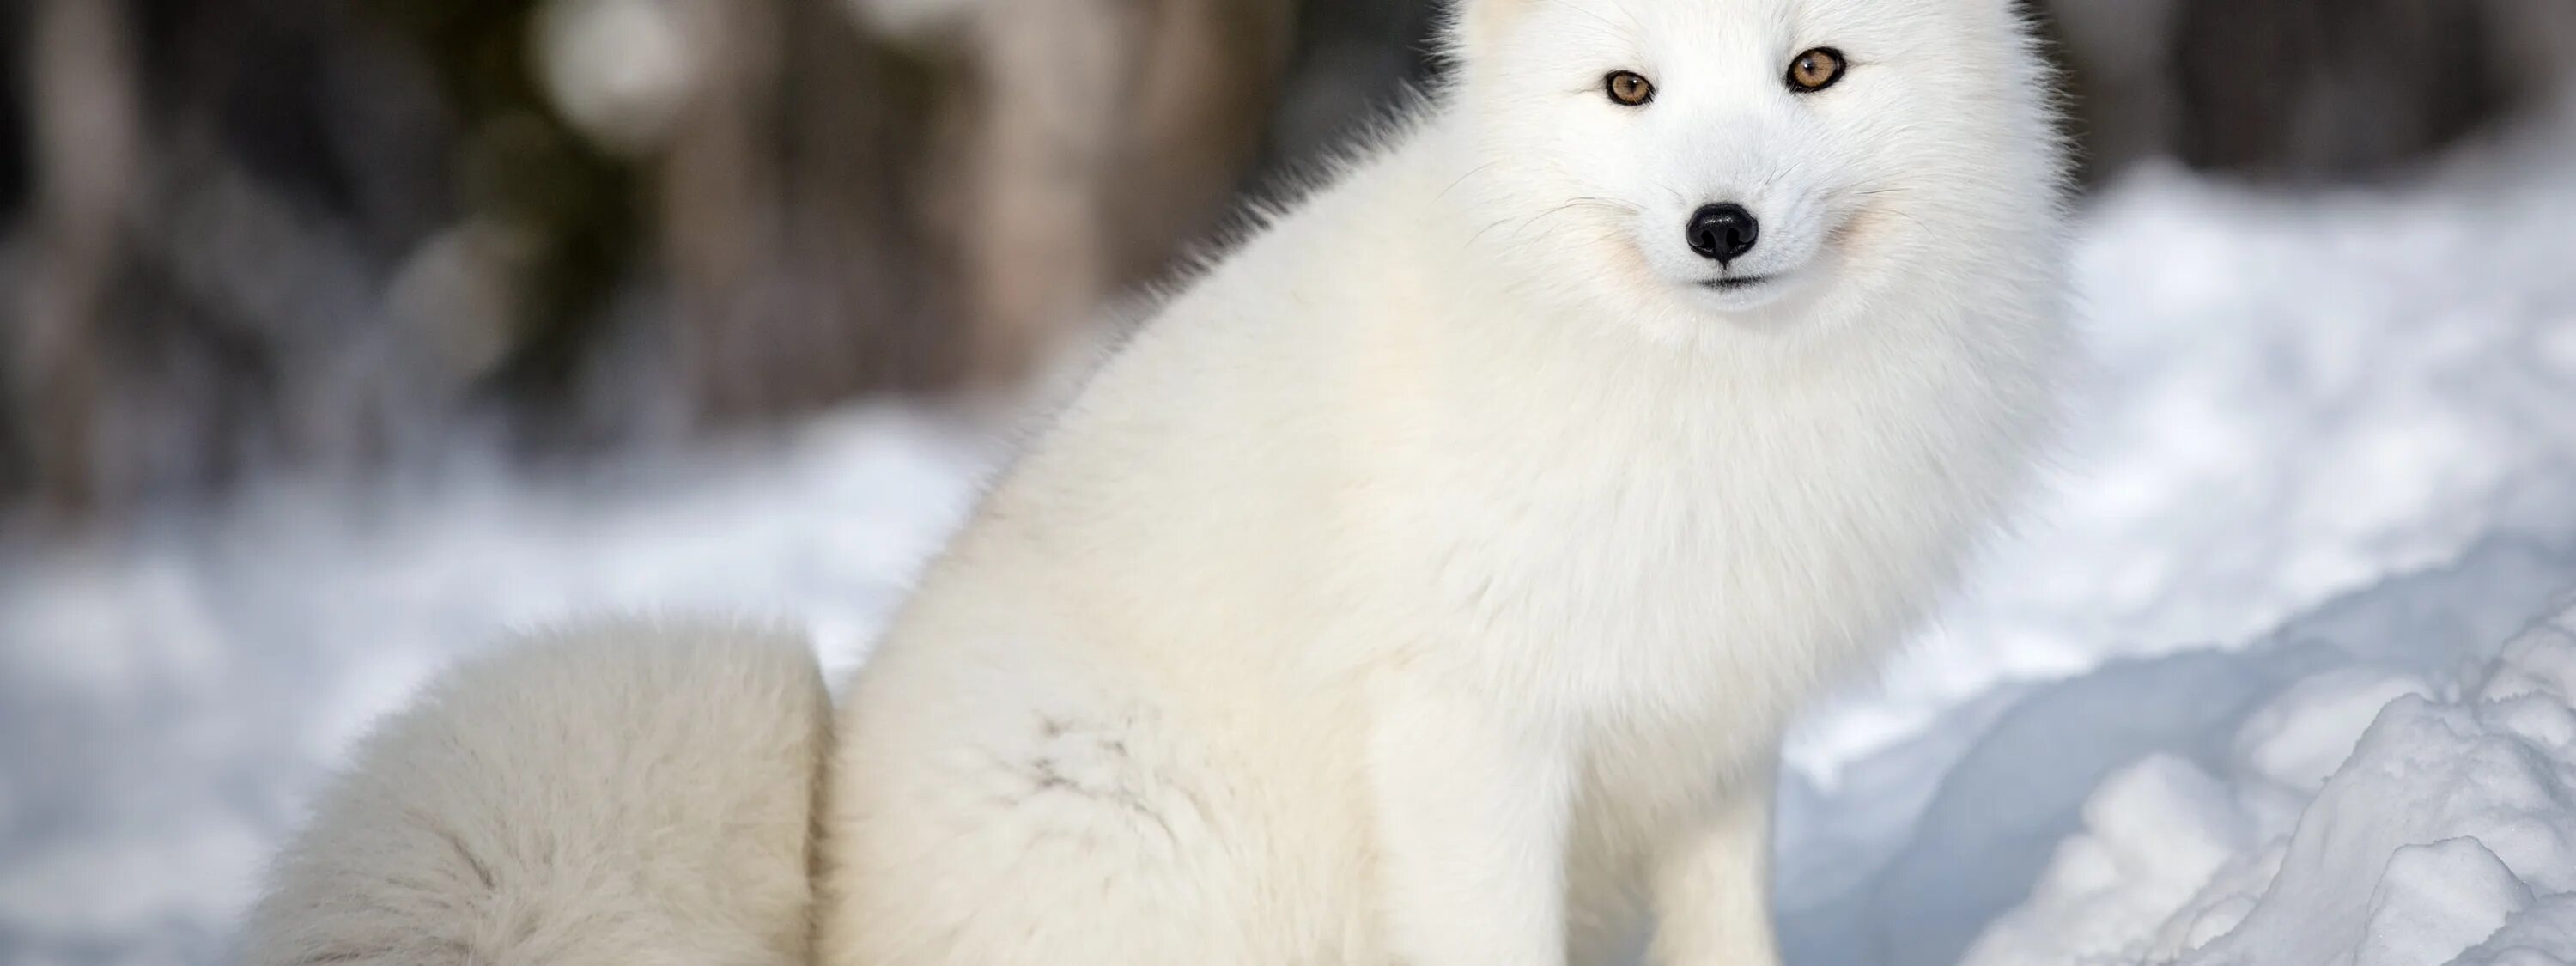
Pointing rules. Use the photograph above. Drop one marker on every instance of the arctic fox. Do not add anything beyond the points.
(1430, 581)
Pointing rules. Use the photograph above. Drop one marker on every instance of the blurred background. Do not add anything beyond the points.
(244, 235)
(336, 336)
(252, 234)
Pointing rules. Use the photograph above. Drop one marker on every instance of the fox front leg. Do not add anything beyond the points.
(1471, 811)
(1712, 885)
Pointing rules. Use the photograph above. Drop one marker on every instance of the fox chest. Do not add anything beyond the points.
(1665, 580)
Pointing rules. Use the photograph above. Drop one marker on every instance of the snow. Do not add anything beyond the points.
(170, 700)
(2280, 674)
(2288, 407)
(2445, 803)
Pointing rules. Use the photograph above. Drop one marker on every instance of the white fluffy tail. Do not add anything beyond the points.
(629, 793)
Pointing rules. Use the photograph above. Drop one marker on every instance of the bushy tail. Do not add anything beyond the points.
(629, 794)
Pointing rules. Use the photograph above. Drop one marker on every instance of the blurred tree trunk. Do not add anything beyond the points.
(86, 139)
(217, 186)
(786, 226)
(1101, 135)
(2114, 61)
(2336, 87)
(2304, 90)
(844, 214)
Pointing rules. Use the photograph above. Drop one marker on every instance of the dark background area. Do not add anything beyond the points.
(251, 236)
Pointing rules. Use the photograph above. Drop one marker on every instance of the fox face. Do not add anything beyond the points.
(1751, 159)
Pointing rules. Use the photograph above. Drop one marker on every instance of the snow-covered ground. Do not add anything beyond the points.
(2240, 693)
(2331, 434)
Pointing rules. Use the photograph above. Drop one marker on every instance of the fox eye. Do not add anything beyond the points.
(1629, 88)
(1815, 70)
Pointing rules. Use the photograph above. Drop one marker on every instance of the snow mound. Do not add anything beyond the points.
(2286, 413)
(2145, 809)
(2363, 815)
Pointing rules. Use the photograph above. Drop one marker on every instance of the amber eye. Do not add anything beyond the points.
(1815, 70)
(1629, 87)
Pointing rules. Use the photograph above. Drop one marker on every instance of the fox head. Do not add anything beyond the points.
(1756, 160)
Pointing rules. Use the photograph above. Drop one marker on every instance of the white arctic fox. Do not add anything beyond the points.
(1428, 583)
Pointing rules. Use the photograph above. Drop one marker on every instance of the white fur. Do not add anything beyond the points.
(1427, 583)
(625, 795)
(1430, 581)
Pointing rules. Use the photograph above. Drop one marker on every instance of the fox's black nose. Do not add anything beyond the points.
(1723, 231)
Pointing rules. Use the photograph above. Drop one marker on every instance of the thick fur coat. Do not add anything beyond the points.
(1430, 580)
